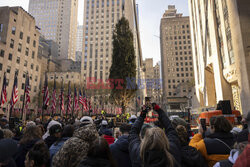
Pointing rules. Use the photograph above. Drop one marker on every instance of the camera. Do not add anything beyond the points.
(148, 103)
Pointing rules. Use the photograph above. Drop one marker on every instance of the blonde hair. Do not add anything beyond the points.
(155, 139)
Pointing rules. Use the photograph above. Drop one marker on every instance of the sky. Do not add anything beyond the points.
(150, 14)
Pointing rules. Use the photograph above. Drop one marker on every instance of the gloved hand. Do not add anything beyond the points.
(143, 112)
(155, 106)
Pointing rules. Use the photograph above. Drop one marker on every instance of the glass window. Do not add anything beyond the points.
(2, 53)
(11, 43)
(34, 43)
(33, 54)
(19, 47)
(18, 60)
(1, 27)
(27, 51)
(13, 31)
(28, 39)
(21, 35)
(10, 57)
(8, 69)
(25, 63)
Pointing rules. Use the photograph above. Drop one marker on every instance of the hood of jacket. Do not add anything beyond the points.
(122, 143)
(228, 138)
(155, 158)
(86, 133)
(95, 162)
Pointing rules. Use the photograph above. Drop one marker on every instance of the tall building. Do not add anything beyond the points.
(79, 39)
(58, 21)
(176, 54)
(19, 42)
(221, 53)
(100, 18)
(157, 91)
(149, 74)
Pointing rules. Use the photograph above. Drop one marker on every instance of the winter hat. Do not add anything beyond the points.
(30, 123)
(179, 121)
(132, 117)
(104, 122)
(8, 148)
(4, 120)
(242, 136)
(51, 123)
(86, 120)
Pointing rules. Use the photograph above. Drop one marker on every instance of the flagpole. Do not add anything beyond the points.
(61, 97)
(72, 113)
(12, 103)
(43, 97)
(24, 94)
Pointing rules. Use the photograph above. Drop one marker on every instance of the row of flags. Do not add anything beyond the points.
(78, 97)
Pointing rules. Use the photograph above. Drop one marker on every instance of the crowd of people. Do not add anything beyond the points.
(90, 143)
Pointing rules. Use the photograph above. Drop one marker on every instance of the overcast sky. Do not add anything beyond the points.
(150, 13)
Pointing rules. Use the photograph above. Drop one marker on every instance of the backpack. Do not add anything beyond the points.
(191, 157)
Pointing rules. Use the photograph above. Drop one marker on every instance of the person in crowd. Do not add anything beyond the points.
(31, 135)
(51, 123)
(8, 148)
(68, 131)
(4, 123)
(106, 133)
(76, 148)
(54, 134)
(218, 144)
(156, 148)
(190, 156)
(132, 119)
(243, 160)
(38, 156)
(30, 123)
(38, 121)
(8, 134)
(119, 149)
(99, 155)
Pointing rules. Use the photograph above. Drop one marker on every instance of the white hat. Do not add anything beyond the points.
(51, 123)
(104, 122)
(86, 119)
(132, 117)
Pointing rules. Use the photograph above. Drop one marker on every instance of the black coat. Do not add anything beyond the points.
(134, 140)
(94, 162)
(120, 152)
(50, 140)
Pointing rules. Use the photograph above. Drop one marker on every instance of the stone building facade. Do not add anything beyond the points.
(220, 39)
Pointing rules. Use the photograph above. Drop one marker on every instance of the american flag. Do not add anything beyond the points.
(27, 91)
(82, 99)
(4, 92)
(76, 106)
(14, 95)
(69, 99)
(62, 99)
(45, 93)
(54, 96)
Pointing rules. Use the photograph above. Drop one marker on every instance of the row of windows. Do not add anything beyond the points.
(179, 37)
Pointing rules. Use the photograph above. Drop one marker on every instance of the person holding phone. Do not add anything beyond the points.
(216, 146)
(156, 148)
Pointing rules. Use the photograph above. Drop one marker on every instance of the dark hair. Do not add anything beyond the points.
(100, 149)
(212, 120)
(182, 134)
(31, 133)
(68, 131)
(221, 124)
(39, 154)
(125, 127)
(144, 128)
(55, 129)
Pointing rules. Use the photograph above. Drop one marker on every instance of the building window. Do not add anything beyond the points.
(1, 27)
(37, 68)
(21, 35)
(33, 54)
(18, 60)
(2, 53)
(34, 43)
(27, 51)
(25, 63)
(1, 66)
(28, 39)
(23, 85)
(32, 66)
(19, 47)
(8, 69)
(10, 57)
(11, 43)
(13, 31)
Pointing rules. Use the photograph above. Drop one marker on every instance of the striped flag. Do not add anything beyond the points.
(14, 95)
(45, 93)
(82, 99)
(4, 92)
(75, 100)
(62, 99)
(69, 99)
(27, 91)
(54, 96)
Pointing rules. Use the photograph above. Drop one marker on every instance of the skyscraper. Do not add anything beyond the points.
(176, 54)
(79, 38)
(220, 39)
(100, 18)
(58, 21)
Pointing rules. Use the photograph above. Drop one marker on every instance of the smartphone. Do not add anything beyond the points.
(148, 103)
(203, 124)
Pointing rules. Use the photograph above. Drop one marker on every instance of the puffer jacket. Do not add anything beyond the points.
(215, 147)
(230, 161)
(76, 148)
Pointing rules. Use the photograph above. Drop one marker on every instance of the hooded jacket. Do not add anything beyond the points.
(120, 152)
(244, 159)
(215, 147)
(76, 148)
(56, 147)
